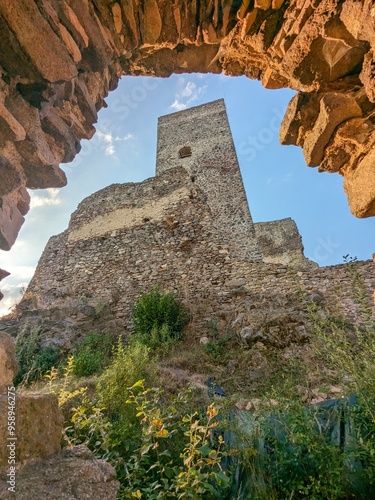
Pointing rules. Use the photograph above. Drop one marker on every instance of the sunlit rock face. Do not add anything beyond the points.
(59, 59)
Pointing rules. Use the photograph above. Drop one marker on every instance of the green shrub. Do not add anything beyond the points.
(93, 354)
(107, 414)
(102, 420)
(218, 348)
(301, 461)
(153, 472)
(32, 357)
(130, 363)
(166, 455)
(159, 449)
(158, 317)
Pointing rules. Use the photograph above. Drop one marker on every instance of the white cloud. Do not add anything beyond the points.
(110, 150)
(107, 139)
(189, 89)
(49, 197)
(187, 93)
(177, 105)
(127, 137)
(21, 272)
(14, 286)
(12, 295)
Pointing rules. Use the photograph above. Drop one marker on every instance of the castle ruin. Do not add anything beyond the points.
(188, 229)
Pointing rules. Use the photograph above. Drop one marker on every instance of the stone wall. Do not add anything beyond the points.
(128, 238)
(280, 242)
(59, 60)
(109, 255)
(96, 274)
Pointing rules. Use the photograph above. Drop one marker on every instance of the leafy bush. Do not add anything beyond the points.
(158, 317)
(93, 354)
(153, 472)
(102, 420)
(130, 363)
(159, 447)
(167, 455)
(59, 382)
(301, 461)
(32, 357)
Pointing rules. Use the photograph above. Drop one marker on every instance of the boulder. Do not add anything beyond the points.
(73, 474)
(250, 335)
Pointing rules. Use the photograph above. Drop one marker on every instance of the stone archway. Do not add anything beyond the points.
(60, 58)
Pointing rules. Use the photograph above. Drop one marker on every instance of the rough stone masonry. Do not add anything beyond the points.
(188, 229)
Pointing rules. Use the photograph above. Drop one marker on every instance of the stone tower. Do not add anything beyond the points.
(199, 139)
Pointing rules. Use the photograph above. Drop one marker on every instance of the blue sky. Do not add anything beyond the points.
(277, 181)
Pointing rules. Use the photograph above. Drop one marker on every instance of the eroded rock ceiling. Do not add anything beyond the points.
(60, 58)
